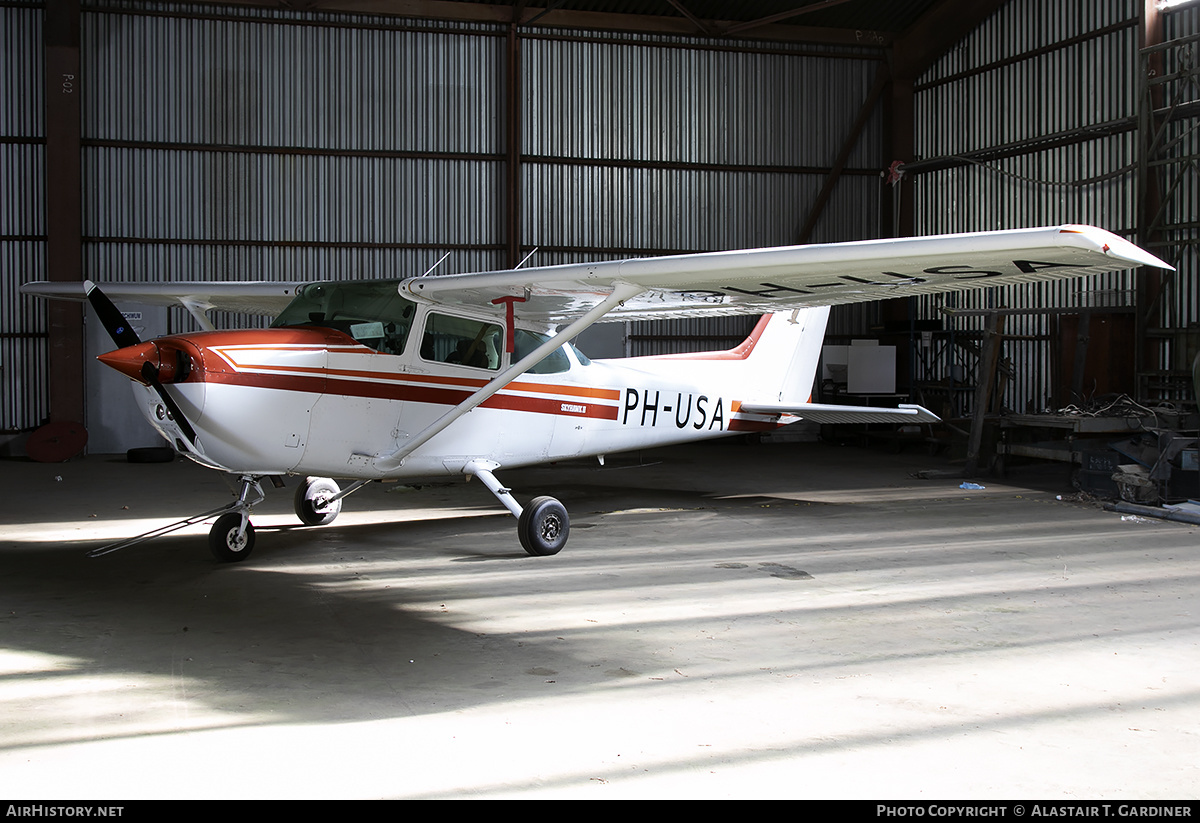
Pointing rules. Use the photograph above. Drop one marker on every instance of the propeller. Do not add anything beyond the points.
(114, 322)
(125, 337)
(150, 375)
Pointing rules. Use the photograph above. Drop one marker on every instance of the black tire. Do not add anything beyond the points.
(223, 540)
(307, 495)
(544, 527)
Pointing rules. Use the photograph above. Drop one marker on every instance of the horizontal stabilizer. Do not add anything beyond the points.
(824, 413)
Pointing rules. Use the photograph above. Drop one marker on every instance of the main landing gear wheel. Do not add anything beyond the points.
(227, 541)
(312, 506)
(543, 527)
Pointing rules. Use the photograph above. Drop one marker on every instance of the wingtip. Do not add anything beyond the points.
(1116, 246)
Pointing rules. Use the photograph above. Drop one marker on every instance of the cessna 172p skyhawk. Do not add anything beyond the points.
(437, 376)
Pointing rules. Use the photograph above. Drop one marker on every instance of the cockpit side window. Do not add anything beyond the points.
(525, 342)
(583, 359)
(373, 313)
(462, 341)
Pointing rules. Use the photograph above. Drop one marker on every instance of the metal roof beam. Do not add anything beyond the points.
(700, 25)
(784, 15)
(551, 17)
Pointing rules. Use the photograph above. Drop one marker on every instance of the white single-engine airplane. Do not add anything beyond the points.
(437, 376)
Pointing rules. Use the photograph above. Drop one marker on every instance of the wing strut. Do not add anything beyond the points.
(620, 293)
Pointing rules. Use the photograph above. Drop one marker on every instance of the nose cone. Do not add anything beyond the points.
(129, 360)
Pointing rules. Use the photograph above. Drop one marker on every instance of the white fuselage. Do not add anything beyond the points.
(315, 402)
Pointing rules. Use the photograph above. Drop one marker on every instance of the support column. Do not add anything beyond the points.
(64, 214)
(1149, 281)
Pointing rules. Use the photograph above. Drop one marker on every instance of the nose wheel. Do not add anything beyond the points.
(231, 538)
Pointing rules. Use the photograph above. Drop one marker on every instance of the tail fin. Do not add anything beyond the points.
(798, 336)
(785, 350)
(775, 367)
(776, 364)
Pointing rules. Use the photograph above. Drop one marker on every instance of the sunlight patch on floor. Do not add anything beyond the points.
(100, 529)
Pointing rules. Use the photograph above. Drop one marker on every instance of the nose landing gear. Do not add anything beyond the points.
(231, 538)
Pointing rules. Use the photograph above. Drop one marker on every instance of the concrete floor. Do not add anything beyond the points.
(729, 621)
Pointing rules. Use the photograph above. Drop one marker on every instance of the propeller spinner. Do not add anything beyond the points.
(143, 362)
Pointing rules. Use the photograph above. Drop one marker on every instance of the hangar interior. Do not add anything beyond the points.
(349, 139)
(256, 141)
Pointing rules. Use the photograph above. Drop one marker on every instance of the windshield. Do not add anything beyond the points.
(373, 312)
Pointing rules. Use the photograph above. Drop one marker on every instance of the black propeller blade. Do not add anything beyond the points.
(124, 336)
(115, 324)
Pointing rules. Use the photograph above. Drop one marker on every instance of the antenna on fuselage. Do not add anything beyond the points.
(525, 259)
(435, 265)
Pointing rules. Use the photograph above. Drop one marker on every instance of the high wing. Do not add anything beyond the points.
(262, 297)
(759, 281)
(755, 281)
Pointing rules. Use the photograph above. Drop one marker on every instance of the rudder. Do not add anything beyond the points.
(783, 360)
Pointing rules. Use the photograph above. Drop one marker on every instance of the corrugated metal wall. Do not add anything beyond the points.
(1170, 171)
(243, 143)
(254, 145)
(651, 145)
(1034, 117)
(23, 347)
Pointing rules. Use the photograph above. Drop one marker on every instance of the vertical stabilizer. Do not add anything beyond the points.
(784, 359)
(776, 364)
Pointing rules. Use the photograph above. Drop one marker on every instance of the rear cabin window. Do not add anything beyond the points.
(462, 341)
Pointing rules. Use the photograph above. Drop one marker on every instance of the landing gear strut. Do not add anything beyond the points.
(543, 526)
(231, 538)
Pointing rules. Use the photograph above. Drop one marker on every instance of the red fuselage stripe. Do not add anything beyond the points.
(388, 390)
(469, 383)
